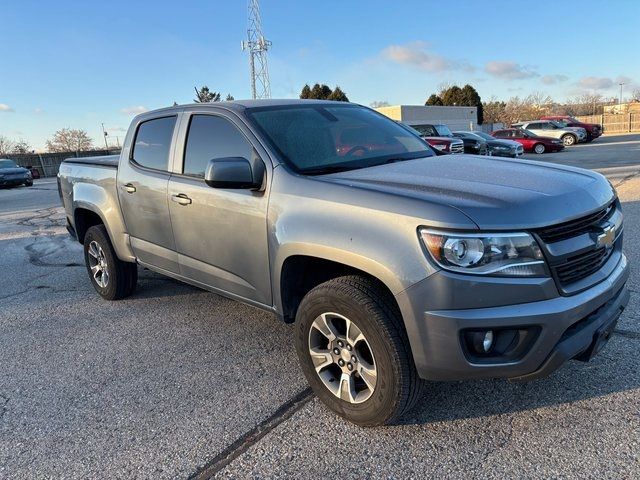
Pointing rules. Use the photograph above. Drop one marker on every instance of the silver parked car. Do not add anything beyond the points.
(552, 129)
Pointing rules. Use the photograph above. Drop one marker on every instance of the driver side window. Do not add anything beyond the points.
(210, 137)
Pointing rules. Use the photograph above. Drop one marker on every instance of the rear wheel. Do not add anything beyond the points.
(112, 278)
(539, 148)
(569, 140)
(354, 351)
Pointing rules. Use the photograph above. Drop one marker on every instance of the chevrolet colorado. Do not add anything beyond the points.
(395, 265)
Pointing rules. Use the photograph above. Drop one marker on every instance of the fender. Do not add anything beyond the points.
(99, 200)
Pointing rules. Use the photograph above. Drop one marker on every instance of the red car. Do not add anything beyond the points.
(440, 137)
(593, 129)
(530, 141)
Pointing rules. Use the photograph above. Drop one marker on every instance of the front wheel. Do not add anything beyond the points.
(112, 278)
(569, 140)
(354, 351)
(28, 183)
(539, 148)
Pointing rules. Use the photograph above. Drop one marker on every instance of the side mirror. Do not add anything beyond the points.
(231, 172)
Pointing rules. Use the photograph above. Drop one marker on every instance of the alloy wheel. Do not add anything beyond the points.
(98, 264)
(342, 357)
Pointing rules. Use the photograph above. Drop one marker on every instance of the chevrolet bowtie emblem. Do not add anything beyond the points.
(606, 238)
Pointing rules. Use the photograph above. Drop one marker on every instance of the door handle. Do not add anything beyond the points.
(181, 198)
(128, 187)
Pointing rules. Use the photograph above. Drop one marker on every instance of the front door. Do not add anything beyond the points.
(220, 234)
(142, 183)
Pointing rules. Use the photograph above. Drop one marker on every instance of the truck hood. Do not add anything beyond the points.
(12, 170)
(494, 193)
(442, 139)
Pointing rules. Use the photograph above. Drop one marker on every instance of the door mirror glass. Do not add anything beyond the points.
(231, 172)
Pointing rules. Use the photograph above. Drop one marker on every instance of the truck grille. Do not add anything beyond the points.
(457, 148)
(576, 227)
(581, 266)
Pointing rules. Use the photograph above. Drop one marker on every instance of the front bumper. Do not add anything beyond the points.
(567, 326)
(12, 182)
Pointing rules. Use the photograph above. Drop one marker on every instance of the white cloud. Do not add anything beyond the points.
(135, 110)
(5, 108)
(509, 70)
(416, 55)
(595, 83)
(553, 79)
(38, 110)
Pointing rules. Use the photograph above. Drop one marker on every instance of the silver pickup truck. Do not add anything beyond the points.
(395, 265)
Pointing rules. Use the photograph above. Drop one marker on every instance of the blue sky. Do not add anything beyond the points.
(82, 63)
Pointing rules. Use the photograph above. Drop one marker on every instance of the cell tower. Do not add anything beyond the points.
(257, 46)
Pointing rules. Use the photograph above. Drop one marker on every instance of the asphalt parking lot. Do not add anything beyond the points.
(175, 382)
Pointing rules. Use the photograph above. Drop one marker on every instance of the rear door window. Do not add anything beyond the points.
(153, 143)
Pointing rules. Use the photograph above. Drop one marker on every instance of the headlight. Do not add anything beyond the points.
(439, 147)
(501, 254)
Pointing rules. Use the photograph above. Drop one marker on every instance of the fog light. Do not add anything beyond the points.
(483, 341)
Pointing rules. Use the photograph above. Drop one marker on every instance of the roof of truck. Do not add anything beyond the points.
(243, 104)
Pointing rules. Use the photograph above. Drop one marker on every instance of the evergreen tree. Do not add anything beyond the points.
(338, 95)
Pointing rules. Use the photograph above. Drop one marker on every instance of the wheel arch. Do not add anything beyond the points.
(301, 272)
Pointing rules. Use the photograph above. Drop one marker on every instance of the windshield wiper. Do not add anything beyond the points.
(326, 169)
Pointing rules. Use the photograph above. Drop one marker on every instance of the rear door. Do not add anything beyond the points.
(143, 178)
(220, 234)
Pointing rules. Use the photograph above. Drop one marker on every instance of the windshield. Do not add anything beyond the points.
(7, 164)
(529, 133)
(321, 138)
(486, 136)
(443, 131)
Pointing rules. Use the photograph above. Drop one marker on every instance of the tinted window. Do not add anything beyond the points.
(212, 137)
(153, 140)
(427, 130)
(535, 126)
(501, 134)
(7, 164)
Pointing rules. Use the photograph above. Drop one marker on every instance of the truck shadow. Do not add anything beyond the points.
(615, 369)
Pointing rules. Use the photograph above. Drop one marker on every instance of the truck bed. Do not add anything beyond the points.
(110, 161)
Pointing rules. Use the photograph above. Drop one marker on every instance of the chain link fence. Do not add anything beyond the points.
(48, 164)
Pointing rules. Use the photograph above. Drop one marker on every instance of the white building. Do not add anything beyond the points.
(456, 118)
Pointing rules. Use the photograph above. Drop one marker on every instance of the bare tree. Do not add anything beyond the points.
(379, 103)
(69, 140)
(635, 95)
(21, 146)
(6, 146)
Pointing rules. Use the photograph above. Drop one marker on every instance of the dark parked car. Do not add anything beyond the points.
(529, 140)
(12, 175)
(472, 143)
(500, 147)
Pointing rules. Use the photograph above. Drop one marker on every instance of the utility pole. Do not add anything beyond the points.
(620, 104)
(257, 47)
(104, 134)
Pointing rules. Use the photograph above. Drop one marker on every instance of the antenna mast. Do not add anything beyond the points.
(257, 46)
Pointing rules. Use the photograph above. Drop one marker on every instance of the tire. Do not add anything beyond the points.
(28, 183)
(539, 148)
(569, 139)
(383, 348)
(100, 258)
